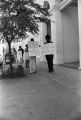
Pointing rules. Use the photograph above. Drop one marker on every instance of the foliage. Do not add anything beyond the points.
(19, 17)
(14, 73)
(19, 70)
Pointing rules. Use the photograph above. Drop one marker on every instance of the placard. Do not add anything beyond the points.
(47, 49)
(19, 55)
(33, 48)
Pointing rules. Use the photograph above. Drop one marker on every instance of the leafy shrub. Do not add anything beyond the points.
(14, 72)
(20, 70)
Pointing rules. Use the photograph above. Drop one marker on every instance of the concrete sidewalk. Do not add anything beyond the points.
(41, 96)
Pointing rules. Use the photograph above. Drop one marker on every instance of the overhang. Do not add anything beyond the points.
(65, 3)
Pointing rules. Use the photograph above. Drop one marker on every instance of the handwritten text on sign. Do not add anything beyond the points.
(47, 49)
(19, 55)
(33, 48)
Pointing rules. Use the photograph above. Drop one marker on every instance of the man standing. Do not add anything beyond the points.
(15, 54)
(49, 57)
(26, 56)
(32, 59)
(20, 54)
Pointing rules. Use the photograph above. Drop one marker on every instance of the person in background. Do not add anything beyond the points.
(26, 56)
(49, 58)
(32, 61)
(15, 54)
(20, 55)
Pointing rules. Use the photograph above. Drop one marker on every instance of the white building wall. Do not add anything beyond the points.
(79, 19)
(59, 37)
(65, 33)
(43, 32)
(56, 36)
(56, 33)
(53, 37)
(70, 34)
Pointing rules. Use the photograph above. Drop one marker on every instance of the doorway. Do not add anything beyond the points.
(70, 37)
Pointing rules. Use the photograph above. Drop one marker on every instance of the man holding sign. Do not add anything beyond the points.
(32, 47)
(49, 53)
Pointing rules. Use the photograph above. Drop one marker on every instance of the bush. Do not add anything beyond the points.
(14, 72)
(20, 70)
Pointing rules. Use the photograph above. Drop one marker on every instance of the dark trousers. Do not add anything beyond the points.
(27, 63)
(49, 59)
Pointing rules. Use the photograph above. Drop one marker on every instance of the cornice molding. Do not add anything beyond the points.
(60, 5)
(54, 8)
(65, 3)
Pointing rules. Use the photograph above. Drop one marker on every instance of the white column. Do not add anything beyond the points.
(53, 37)
(79, 18)
(56, 34)
(59, 38)
(43, 34)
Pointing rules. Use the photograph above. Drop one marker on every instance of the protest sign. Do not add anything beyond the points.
(19, 55)
(47, 49)
(33, 48)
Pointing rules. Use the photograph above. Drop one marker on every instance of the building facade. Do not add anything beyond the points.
(65, 30)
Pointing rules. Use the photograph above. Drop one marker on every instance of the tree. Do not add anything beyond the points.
(18, 17)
